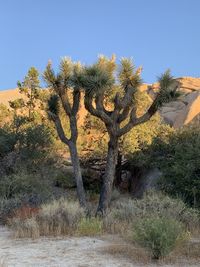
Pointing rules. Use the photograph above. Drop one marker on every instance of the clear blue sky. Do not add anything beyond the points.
(157, 34)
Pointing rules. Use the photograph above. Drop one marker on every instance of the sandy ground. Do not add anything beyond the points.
(68, 252)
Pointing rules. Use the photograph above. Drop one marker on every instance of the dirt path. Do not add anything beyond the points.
(45, 252)
(68, 252)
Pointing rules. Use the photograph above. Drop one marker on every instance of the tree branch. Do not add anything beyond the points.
(73, 127)
(144, 118)
(59, 128)
(76, 101)
(96, 112)
(65, 100)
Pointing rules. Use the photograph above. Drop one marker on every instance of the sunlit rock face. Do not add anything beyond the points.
(186, 108)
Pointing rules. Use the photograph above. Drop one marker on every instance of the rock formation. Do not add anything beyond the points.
(186, 108)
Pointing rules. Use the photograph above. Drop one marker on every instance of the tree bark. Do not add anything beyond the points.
(118, 175)
(106, 190)
(77, 174)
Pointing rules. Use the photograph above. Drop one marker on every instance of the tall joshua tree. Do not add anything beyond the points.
(68, 93)
(100, 78)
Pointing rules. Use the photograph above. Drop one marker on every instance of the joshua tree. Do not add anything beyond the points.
(68, 94)
(97, 80)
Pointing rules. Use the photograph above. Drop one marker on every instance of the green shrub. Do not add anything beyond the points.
(23, 183)
(175, 154)
(162, 205)
(64, 179)
(127, 211)
(7, 140)
(7, 206)
(158, 235)
(90, 226)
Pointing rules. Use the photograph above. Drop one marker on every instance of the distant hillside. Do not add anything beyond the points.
(9, 95)
(177, 113)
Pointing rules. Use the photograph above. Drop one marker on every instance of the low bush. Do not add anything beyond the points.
(174, 153)
(127, 211)
(25, 228)
(158, 235)
(7, 207)
(90, 227)
(23, 183)
(60, 217)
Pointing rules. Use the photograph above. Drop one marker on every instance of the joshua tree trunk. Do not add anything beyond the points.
(108, 179)
(71, 143)
(67, 94)
(118, 171)
(77, 174)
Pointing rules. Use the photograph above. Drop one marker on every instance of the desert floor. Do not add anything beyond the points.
(62, 252)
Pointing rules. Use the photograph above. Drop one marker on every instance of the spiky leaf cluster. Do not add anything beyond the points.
(96, 79)
(128, 74)
(63, 78)
(167, 89)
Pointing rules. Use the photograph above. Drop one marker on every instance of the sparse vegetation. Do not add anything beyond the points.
(25, 228)
(38, 182)
(125, 212)
(60, 217)
(159, 235)
(90, 226)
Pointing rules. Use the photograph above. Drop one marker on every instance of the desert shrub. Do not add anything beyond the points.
(7, 207)
(90, 226)
(128, 211)
(23, 183)
(158, 235)
(7, 141)
(25, 212)
(60, 217)
(175, 154)
(180, 167)
(64, 179)
(25, 228)
(36, 141)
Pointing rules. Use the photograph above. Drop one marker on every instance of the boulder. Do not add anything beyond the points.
(190, 112)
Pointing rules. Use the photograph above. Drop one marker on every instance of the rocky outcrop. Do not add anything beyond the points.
(186, 108)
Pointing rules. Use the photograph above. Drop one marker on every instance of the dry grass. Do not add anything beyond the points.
(128, 251)
(189, 251)
(186, 254)
(60, 217)
(25, 228)
(90, 227)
